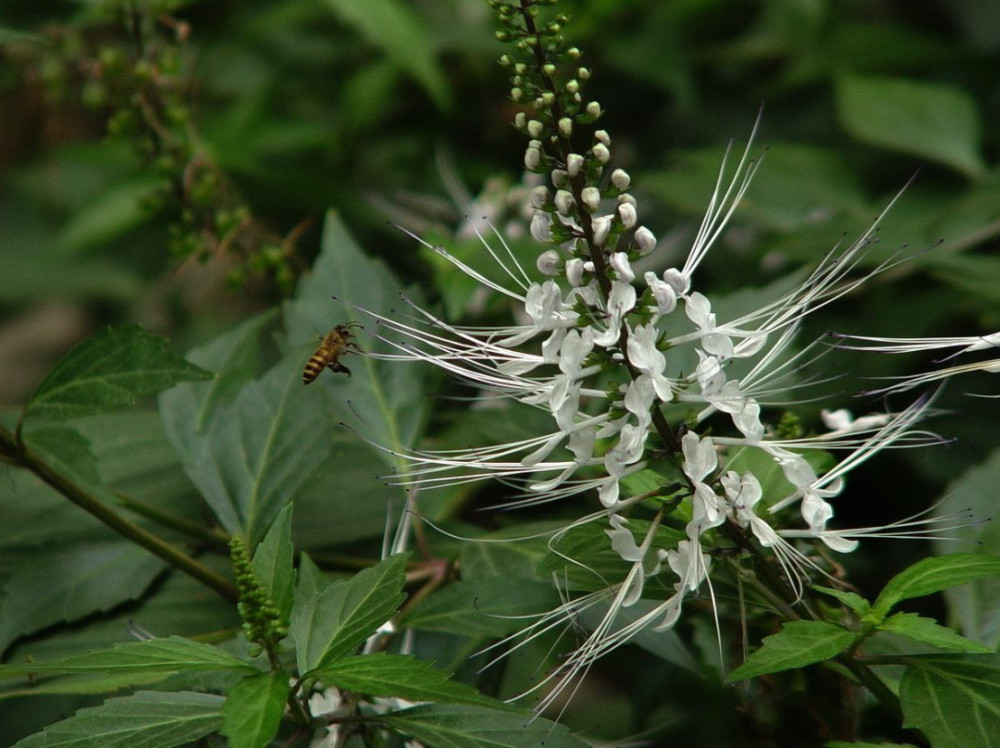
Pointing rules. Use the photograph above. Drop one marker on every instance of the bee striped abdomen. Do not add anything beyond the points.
(332, 346)
(313, 369)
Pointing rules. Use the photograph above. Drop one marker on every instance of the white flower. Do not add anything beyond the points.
(644, 240)
(591, 198)
(627, 214)
(620, 179)
(619, 262)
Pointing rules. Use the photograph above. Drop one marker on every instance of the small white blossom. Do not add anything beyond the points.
(540, 230)
(574, 162)
(644, 240)
(619, 262)
(549, 262)
(533, 155)
(591, 198)
(539, 197)
(627, 214)
(574, 271)
(620, 179)
(601, 226)
(564, 202)
(666, 298)
(601, 153)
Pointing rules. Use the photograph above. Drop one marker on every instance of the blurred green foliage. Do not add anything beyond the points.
(268, 113)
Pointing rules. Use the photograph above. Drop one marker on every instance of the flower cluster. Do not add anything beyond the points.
(613, 352)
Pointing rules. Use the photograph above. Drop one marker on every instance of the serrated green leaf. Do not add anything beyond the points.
(400, 676)
(852, 600)
(272, 563)
(953, 699)
(799, 643)
(89, 683)
(50, 586)
(930, 120)
(253, 709)
(66, 449)
(931, 575)
(110, 369)
(169, 655)
(146, 718)
(478, 727)
(257, 451)
(928, 631)
(331, 621)
(134, 457)
(400, 34)
(386, 398)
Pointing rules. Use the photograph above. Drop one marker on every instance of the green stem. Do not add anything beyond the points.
(214, 536)
(25, 458)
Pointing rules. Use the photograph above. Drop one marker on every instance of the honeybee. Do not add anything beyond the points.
(333, 345)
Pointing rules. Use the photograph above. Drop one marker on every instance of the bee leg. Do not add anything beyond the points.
(337, 366)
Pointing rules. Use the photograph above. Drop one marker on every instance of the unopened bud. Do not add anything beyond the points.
(574, 272)
(532, 157)
(559, 177)
(516, 94)
(574, 162)
(520, 120)
(591, 198)
(620, 179)
(601, 227)
(601, 153)
(573, 53)
(549, 69)
(583, 74)
(564, 202)
(601, 136)
(619, 261)
(626, 211)
(540, 230)
(549, 262)
(593, 109)
(573, 86)
(539, 196)
(535, 128)
(644, 240)
(565, 127)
